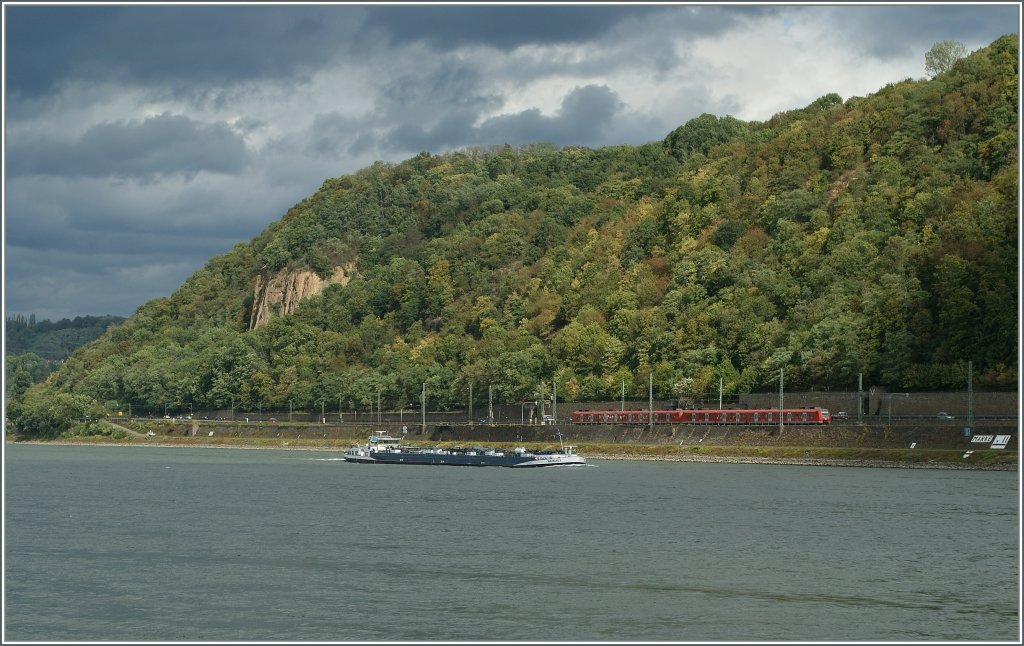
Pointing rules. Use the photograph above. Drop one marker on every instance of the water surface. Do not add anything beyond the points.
(148, 543)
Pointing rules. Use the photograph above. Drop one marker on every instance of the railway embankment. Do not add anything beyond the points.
(878, 434)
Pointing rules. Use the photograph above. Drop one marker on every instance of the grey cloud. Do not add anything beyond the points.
(160, 145)
(63, 284)
(192, 220)
(882, 31)
(508, 27)
(331, 134)
(453, 130)
(160, 45)
(92, 246)
(435, 86)
(586, 113)
(194, 47)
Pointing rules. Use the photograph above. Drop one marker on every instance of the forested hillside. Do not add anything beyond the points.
(54, 340)
(875, 235)
(35, 348)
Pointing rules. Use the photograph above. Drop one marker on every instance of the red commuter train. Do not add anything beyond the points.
(747, 416)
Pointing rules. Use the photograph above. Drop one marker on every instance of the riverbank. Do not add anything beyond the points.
(990, 460)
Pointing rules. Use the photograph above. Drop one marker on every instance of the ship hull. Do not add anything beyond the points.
(466, 459)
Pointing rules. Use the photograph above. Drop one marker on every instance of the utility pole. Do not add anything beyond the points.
(860, 397)
(780, 402)
(623, 396)
(471, 402)
(423, 408)
(554, 400)
(323, 418)
(378, 405)
(542, 400)
(719, 392)
(650, 401)
(970, 396)
(490, 403)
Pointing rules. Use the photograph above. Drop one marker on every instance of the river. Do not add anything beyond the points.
(187, 544)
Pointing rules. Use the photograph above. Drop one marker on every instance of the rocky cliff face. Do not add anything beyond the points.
(281, 293)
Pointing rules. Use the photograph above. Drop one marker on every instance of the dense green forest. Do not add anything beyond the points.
(54, 340)
(874, 235)
(35, 349)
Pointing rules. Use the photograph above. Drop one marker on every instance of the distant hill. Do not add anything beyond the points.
(872, 236)
(55, 341)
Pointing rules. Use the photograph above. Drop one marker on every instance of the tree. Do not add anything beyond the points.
(22, 371)
(941, 57)
(52, 414)
(701, 134)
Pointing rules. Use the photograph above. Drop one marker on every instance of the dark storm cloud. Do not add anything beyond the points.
(160, 145)
(586, 113)
(331, 132)
(506, 27)
(453, 130)
(95, 246)
(882, 31)
(92, 282)
(157, 45)
(97, 214)
(439, 85)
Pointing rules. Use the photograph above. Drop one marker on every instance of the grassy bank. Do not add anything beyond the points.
(917, 458)
(985, 459)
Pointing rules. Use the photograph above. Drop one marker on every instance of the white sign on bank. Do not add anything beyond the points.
(998, 441)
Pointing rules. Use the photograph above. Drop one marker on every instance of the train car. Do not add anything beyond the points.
(745, 416)
(626, 416)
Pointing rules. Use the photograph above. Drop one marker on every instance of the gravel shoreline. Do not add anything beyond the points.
(715, 459)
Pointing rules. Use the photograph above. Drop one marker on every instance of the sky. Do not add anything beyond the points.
(142, 140)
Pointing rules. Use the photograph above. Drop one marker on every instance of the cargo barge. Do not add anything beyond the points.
(384, 449)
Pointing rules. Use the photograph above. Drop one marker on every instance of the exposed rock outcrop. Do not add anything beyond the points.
(281, 293)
